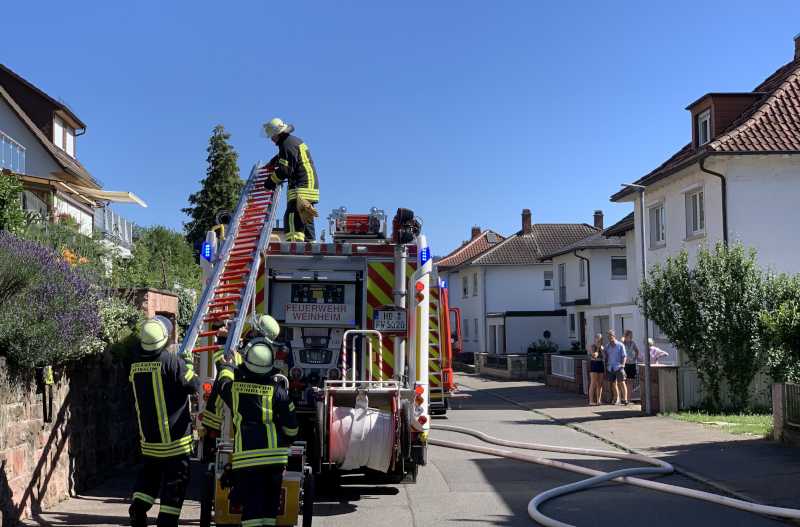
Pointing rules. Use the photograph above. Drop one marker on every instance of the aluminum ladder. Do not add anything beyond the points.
(230, 289)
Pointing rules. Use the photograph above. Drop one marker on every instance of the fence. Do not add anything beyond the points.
(499, 362)
(793, 405)
(563, 366)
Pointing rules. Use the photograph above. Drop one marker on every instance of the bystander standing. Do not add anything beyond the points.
(596, 369)
(615, 368)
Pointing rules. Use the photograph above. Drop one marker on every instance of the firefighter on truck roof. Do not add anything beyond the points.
(264, 426)
(294, 163)
(162, 382)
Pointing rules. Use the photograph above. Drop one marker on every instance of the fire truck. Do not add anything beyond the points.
(365, 346)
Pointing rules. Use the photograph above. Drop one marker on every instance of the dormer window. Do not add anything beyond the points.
(703, 127)
(64, 136)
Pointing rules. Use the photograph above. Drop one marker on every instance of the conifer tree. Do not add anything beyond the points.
(221, 188)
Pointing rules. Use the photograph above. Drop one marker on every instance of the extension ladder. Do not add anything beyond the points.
(228, 293)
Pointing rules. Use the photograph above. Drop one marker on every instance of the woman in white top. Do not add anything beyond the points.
(655, 353)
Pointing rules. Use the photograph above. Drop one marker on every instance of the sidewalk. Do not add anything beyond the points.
(742, 466)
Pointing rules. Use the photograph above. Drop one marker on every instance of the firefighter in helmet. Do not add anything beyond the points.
(162, 382)
(264, 426)
(294, 163)
(264, 326)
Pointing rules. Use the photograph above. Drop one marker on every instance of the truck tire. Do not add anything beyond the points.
(309, 491)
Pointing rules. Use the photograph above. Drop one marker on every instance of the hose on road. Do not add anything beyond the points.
(658, 467)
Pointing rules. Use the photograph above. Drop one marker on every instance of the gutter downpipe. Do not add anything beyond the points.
(648, 404)
(724, 189)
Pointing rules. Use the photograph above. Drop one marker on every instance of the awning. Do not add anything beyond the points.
(104, 195)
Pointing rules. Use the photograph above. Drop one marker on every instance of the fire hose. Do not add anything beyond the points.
(658, 467)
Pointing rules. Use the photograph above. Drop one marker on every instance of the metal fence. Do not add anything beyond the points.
(793, 405)
(563, 367)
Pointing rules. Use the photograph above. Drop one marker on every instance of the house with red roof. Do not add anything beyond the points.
(504, 286)
(736, 180)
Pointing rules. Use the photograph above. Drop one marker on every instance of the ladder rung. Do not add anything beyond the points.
(212, 333)
(201, 349)
(230, 298)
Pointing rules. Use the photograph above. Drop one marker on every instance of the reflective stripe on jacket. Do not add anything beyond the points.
(161, 385)
(294, 163)
(263, 417)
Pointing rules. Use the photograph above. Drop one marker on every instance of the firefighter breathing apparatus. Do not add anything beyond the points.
(658, 467)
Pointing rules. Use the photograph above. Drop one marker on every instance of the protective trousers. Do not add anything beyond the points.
(259, 492)
(296, 229)
(170, 476)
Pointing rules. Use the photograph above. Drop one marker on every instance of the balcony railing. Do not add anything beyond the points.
(113, 227)
(563, 367)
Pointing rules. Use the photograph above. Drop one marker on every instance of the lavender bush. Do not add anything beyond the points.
(49, 311)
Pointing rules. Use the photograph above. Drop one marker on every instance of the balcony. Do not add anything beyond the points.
(113, 227)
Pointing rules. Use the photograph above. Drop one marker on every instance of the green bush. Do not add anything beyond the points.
(12, 218)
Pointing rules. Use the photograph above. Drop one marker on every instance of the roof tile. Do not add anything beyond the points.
(533, 247)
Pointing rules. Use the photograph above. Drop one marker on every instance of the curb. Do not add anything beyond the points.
(678, 469)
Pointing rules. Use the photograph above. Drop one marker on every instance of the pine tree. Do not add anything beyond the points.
(221, 188)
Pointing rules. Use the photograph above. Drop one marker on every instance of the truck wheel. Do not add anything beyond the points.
(207, 499)
(308, 498)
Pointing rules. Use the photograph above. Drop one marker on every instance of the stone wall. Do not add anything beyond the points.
(91, 431)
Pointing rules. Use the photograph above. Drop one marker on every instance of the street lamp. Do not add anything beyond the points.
(647, 402)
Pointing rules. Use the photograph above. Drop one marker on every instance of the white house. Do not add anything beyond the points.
(505, 291)
(737, 180)
(38, 144)
(593, 284)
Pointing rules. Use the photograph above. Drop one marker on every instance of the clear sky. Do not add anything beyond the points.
(465, 111)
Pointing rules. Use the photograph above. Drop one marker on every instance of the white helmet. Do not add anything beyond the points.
(258, 356)
(154, 333)
(267, 326)
(276, 126)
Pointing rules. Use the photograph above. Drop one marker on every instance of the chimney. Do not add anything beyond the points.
(598, 219)
(476, 231)
(797, 47)
(526, 221)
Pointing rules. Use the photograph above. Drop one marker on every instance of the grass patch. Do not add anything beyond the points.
(751, 424)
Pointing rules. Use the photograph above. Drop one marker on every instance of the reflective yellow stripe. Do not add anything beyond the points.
(292, 232)
(141, 496)
(189, 375)
(161, 406)
(237, 421)
(307, 165)
(284, 162)
(259, 522)
(290, 431)
(261, 452)
(296, 237)
(309, 194)
(185, 440)
(257, 462)
(225, 373)
(275, 179)
(291, 407)
(166, 509)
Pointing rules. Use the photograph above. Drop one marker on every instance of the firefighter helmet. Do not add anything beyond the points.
(268, 327)
(258, 356)
(154, 333)
(276, 127)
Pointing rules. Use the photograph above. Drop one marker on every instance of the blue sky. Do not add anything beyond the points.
(465, 111)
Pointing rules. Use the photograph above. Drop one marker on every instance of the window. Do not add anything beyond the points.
(582, 272)
(12, 154)
(464, 287)
(64, 136)
(465, 325)
(619, 268)
(658, 227)
(548, 279)
(475, 284)
(562, 282)
(695, 213)
(475, 327)
(572, 324)
(704, 128)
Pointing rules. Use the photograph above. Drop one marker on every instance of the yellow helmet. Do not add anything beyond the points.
(276, 126)
(154, 333)
(268, 327)
(258, 356)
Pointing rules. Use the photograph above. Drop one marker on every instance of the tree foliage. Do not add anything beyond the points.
(780, 327)
(220, 188)
(710, 311)
(12, 218)
(162, 259)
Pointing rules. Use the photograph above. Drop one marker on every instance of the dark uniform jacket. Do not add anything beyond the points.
(294, 163)
(263, 417)
(162, 382)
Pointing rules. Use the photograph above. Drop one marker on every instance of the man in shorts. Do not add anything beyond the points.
(615, 364)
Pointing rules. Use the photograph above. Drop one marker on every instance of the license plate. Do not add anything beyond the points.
(390, 320)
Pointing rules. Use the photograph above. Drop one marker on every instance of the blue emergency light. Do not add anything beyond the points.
(205, 251)
(424, 256)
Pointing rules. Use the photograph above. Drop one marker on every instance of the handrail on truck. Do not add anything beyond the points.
(366, 366)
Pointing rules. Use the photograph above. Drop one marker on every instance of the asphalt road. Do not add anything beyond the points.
(464, 488)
